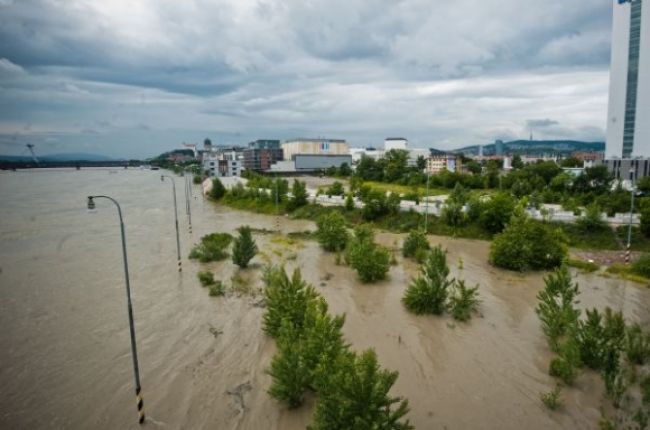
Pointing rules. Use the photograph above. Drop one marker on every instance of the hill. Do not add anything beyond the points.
(536, 147)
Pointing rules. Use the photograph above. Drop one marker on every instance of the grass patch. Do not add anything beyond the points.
(241, 285)
(211, 248)
(205, 278)
(638, 242)
(582, 265)
(552, 399)
(217, 289)
(577, 237)
(626, 272)
(405, 189)
(253, 205)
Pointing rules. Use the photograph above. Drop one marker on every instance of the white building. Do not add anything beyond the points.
(223, 164)
(357, 153)
(304, 146)
(395, 143)
(628, 119)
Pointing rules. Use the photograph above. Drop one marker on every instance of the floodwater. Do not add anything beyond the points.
(64, 346)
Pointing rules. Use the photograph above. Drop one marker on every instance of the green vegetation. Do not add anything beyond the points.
(217, 289)
(641, 267)
(427, 294)
(415, 245)
(586, 266)
(211, 248)
(218, 190)
(463, 301)
(197, 179)
(205, 278)
(331, 233)
(637, 345)
(244, 247)
(336, 189)
(556, 309)
(352, 390)
(552, 399)
(298, 195)
(370, 260)
(526, 245)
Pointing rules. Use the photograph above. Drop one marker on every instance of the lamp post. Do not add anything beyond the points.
(178, 241)
(426, 206)
(629, 227)
(134, 351)
(188, 190)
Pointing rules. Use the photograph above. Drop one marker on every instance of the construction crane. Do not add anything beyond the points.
(30, 146)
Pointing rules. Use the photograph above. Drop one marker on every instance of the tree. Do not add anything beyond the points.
(592, 221)
(517, 163)
(357, 397)
(331, 233)
(395, 162)
(336, 189)
(571, 162)
(415, 244)
(474, 167)
(345, 170)
(463, 301)
(289, 371)
(556, 309)
(349, 202)
(298, 195)
(421, 163)
(526, 244)
(279, 189)
(286, 299)
(244, 247)
(218, 190)
(496, 212)
(371, 261)
(644, 219)
(369, 170)
(428, 293)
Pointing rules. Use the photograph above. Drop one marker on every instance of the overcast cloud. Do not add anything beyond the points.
(134, 78)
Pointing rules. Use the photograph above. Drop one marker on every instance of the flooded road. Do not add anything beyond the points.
(65, 359)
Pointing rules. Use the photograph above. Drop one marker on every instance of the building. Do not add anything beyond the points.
(371, 152)
(313, 162)
(261, 154)
(628, 118)
(437, 163)
(498, 147)
(224, 163)
(395, 143)
(304, 146)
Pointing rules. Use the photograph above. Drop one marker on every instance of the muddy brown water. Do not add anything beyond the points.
(64, 346)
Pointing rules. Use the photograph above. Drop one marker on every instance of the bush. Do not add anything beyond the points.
(496, 212)
(299, 196)
(586, 266)
(289, 371)
(645, 389)
(218, 190)
(331, 233)
(357, 397)
(453, 214)
(349, 203)
(211, 248)
(205, 278)
(371, 261)
(556, 306)
(244, 248)
(197, 179)
(552, 399)
(642, 266)
(591, 340)
(567, 364)
(428, 293)
(463, 301)
(526, 244)
(592, 220)
(217, 289)
(285, 299)
(637, 345)
(414, 242)
(336, 189)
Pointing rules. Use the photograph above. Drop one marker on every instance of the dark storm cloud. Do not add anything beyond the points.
(441, 73)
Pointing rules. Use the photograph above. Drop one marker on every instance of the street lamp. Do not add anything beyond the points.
(134, 351)
(178, 241)
(188, 190)
(629, 227)
(426, 205)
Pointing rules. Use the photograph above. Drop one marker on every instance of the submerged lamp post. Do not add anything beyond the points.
(134, 351)
(188, 192)
(178, 241)
(426, 206)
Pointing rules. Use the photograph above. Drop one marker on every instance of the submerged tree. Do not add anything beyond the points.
(415, 244)
(428, 293)
(370, 260)
(331, 233)
(244, 247)
(556, 306)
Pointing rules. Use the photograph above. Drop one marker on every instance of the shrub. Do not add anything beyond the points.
(586, 266)
(371, 261)
(197, 179)
(645, 389)
(591, 338)
(349, 203)
(331, 233)
(552, 399)
(637, 345)
(453, 214)
(428, 293)
(205, 278)
(592, 220)
(556, 306)
(336, 189)
(642, 266)
(463, 301)
(526, 244)
(299, 196)
(211, 248)
(567, 364)
(285, 299)
(357, 397)
(414, 242)
(217, 289)
(218, 190)
(496, 212)
(244, 248)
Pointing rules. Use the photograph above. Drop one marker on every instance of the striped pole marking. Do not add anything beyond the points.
(140, 402)
(179, 266)
(627, 255)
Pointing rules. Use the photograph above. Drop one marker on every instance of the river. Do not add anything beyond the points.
(65, 358)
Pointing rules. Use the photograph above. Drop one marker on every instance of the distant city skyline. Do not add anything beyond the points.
(133, 80)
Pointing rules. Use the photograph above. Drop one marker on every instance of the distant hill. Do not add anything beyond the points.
(68, 156)
(536, 147)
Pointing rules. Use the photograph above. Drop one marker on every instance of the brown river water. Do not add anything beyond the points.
(65, 358)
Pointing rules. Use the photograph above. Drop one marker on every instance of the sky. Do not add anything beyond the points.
(128, 78)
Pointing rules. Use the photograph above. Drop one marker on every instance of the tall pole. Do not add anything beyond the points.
(629, 227)
(188, 190)
(277, 208)
(426, 206)
(134, 350)
(178, 240)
